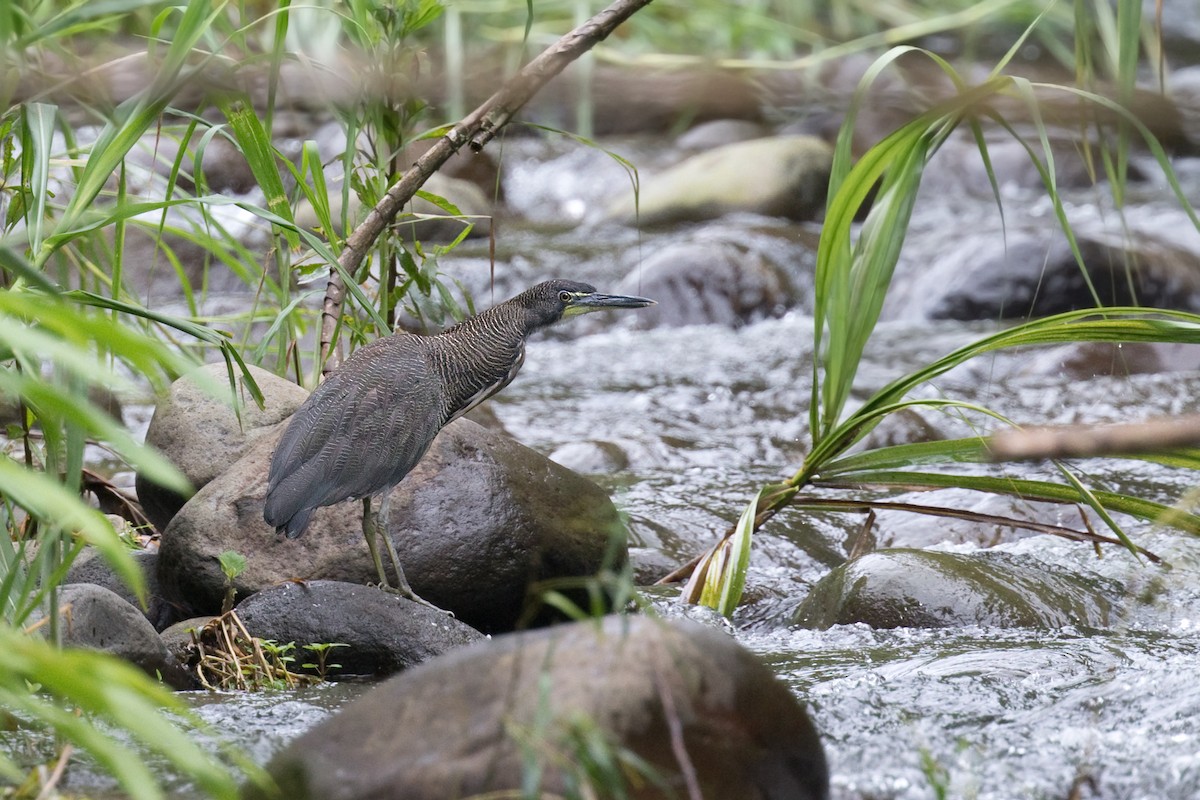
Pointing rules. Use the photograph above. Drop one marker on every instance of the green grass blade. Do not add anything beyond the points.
(256, 146)
(106, 687)
(47, 500)
(1025, 489)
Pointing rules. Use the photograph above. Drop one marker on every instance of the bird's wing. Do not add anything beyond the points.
(361, 431)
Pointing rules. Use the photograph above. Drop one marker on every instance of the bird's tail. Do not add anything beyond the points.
(291, 527)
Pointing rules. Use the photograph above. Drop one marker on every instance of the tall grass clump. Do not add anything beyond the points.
(86, 168)
(854, 272)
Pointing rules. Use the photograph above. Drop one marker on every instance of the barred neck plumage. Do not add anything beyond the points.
(481, 355)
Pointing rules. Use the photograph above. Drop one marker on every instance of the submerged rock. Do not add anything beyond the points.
(478, 523)
(928, 589)
(783, 176)
(548, 708)
(196, 428)
(382, 633)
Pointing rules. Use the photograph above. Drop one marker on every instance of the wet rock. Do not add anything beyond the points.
(1036, 278)
(648, 564)
(477, 523)
(383, 633)
(196, 428)
(96, 618)
(783, 176)
(817, 99)
(701, 283)
(180, 637)
(89, 567)
(469, 723)
(927, 589)
(224, 168)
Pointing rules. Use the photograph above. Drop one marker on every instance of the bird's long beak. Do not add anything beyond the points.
(583, 303)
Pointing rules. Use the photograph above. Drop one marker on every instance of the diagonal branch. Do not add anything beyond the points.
(475, 130)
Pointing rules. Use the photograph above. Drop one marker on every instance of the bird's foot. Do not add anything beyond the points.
(408, 594)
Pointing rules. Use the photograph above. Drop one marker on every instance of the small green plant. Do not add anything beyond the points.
(587, 597)
(232, 564)
(935, 774)
(588, 760)
(321, 650)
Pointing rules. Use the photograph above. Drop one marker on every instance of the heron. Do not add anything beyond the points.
(373, 418)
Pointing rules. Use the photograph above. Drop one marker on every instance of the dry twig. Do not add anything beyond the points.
(475, 131)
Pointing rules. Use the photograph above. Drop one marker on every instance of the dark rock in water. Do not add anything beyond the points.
(478, 523)
(1034, 279)
(532, 710)
(196, 428)
(782, 176)
(700, 283)
(383, 633)
(927, 589)
(95, 618)
(89, 567)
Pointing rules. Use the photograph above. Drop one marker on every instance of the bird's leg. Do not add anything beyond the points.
(402, 587)
(370, 526)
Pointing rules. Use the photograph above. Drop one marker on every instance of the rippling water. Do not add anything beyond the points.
(705, 415)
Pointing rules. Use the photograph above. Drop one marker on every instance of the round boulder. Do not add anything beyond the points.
(91, 568)
(382, 633)
(478, 523)
(96, 618)
(672, 701)
(701, 283)
(196, 427)
(779, 176)
(904, 588)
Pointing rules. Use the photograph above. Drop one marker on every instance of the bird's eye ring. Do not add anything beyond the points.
(564, 296)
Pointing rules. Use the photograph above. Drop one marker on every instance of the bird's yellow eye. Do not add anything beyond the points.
(564, 296)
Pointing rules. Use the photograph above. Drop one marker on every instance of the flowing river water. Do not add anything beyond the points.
(692, 420)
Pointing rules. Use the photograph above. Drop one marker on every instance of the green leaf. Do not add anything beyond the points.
(260, 155)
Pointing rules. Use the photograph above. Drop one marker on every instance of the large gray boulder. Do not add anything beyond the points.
(536, 709)
(478, 523)
(382, 633)
(196, 428)
(904, 588)
(783, 176)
